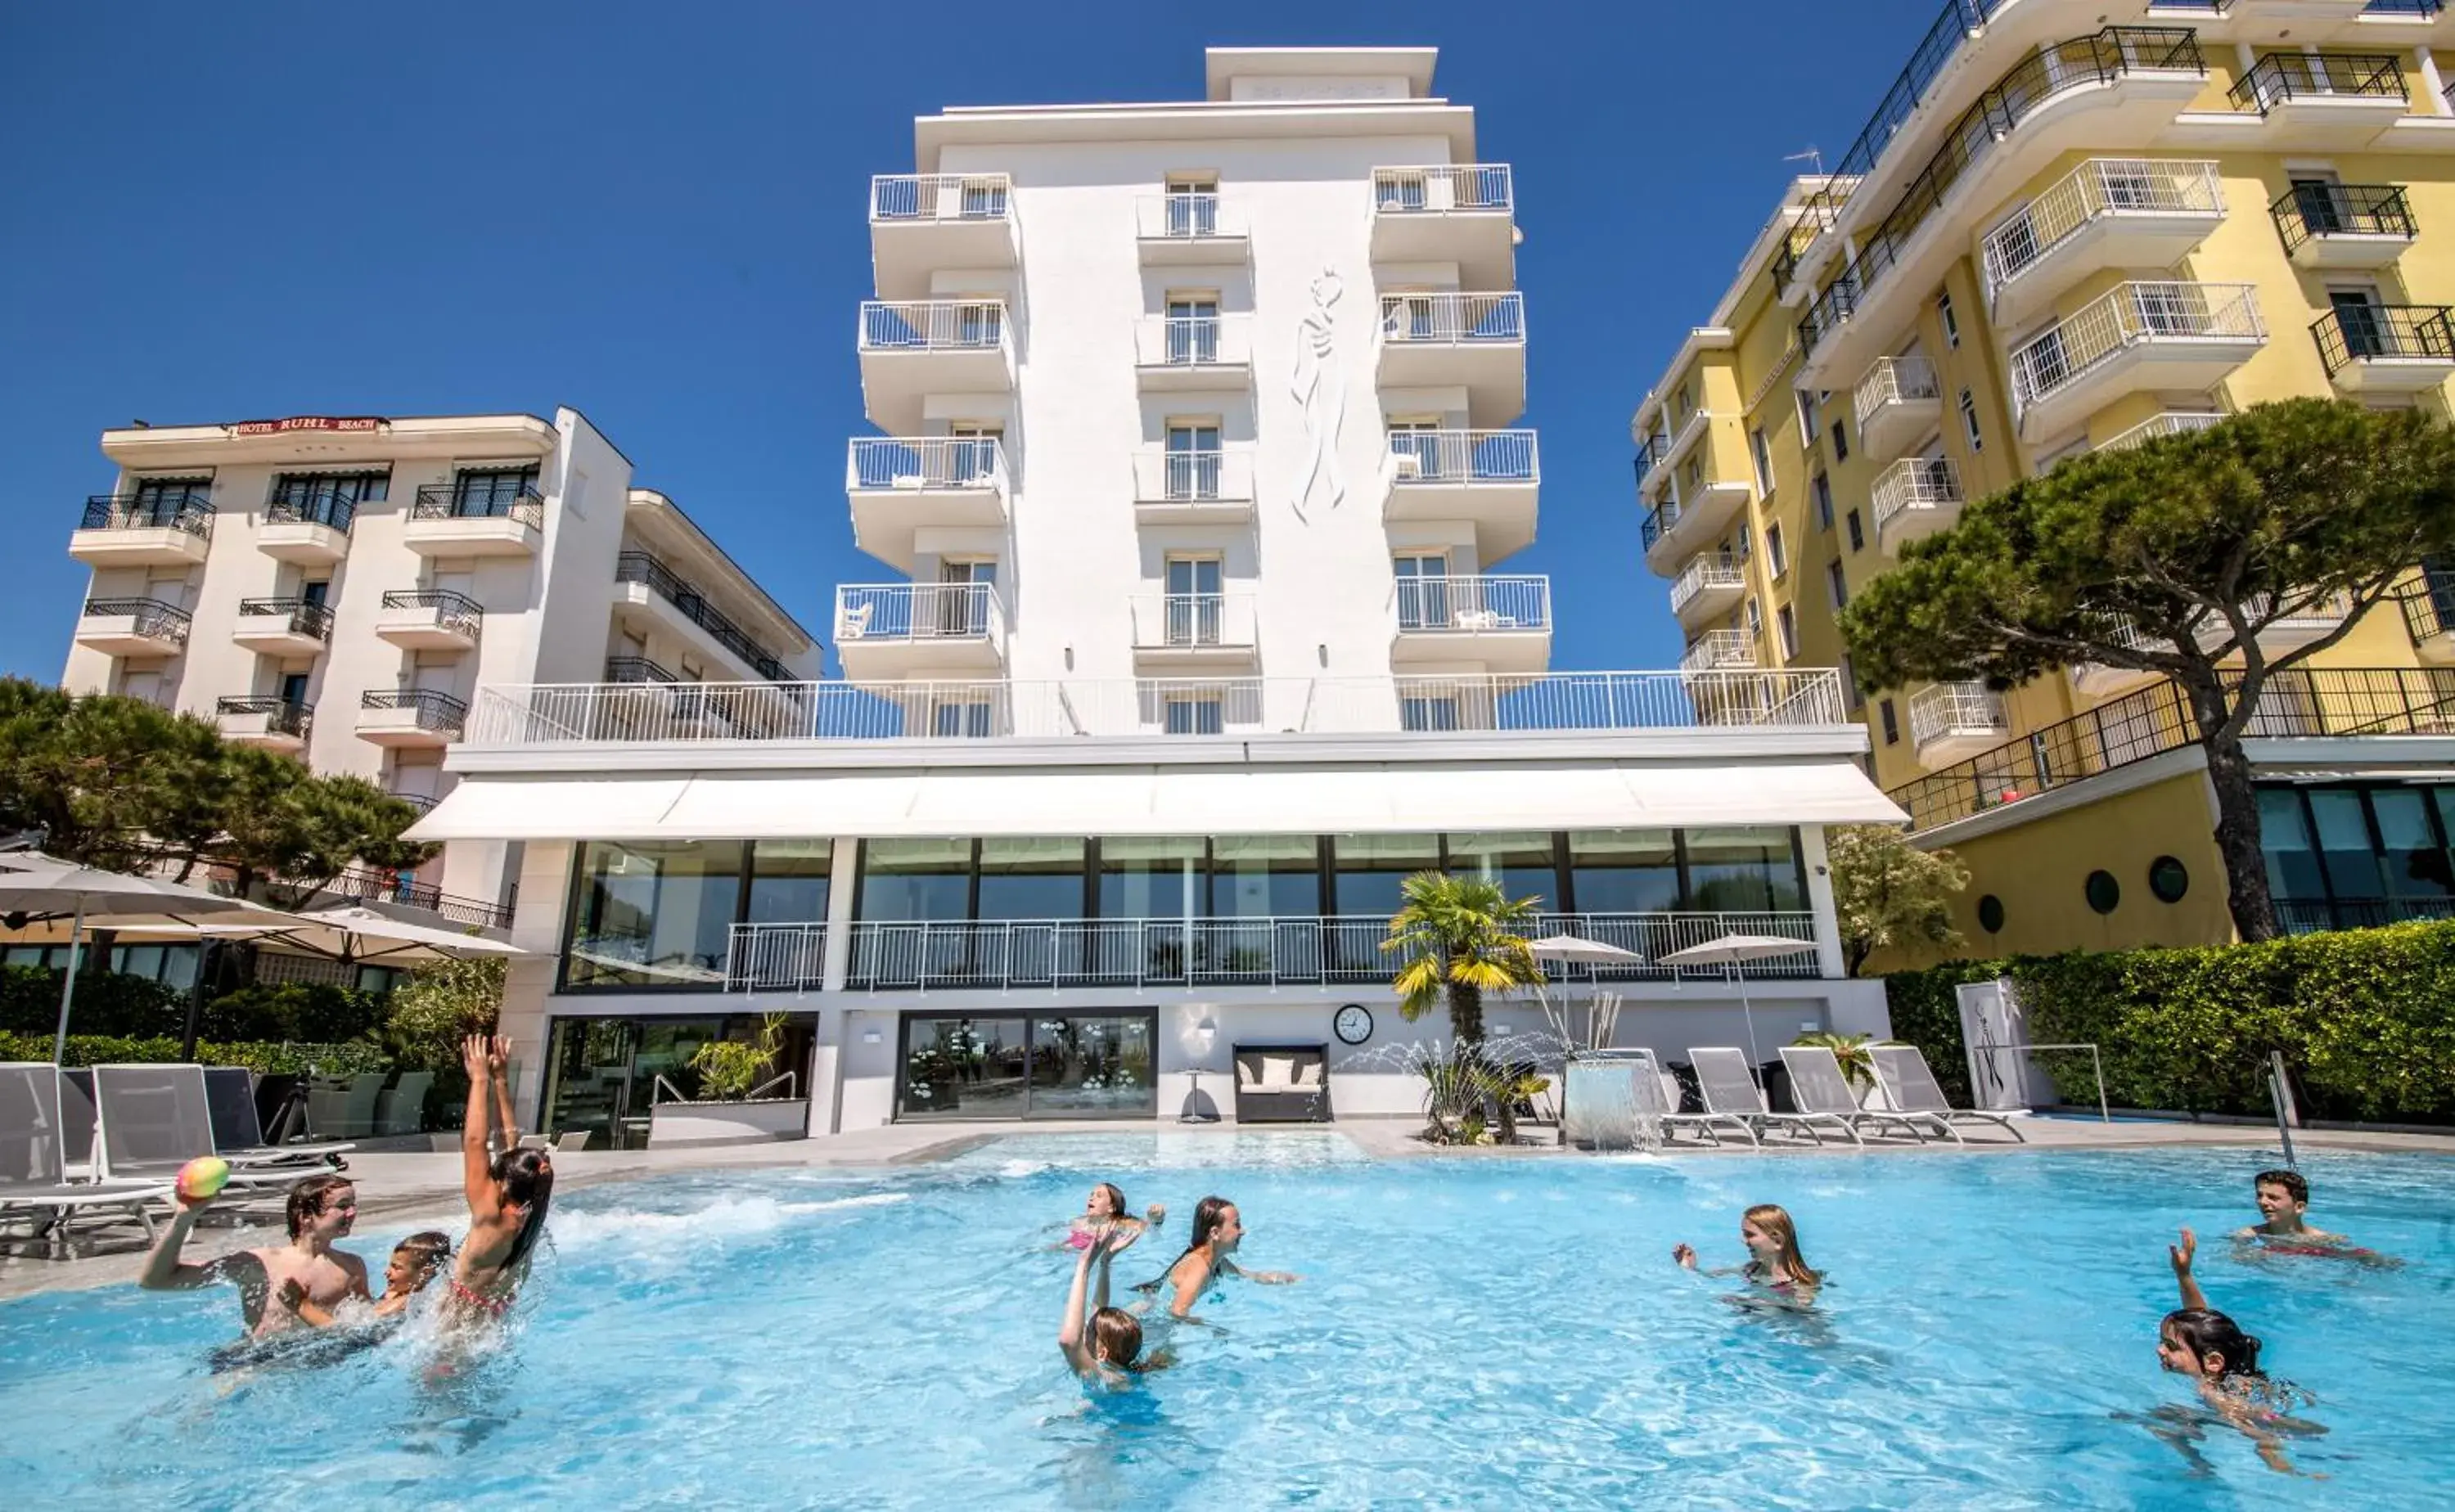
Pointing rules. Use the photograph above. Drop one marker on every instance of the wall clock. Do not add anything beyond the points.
(1354, 1023)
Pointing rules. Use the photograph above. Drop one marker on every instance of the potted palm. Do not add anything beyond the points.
(1851, 1051)
(1458, 938)
(732, 1108)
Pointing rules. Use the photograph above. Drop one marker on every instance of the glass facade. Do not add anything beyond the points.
(1744, 869)
(660, 914)
(1625, 871)
(602, 1074)
(2353, 855)
(1051, 1065)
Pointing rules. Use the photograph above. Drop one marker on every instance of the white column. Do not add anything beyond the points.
(1820, 900)
(827, 1057)
(843, 876)
(2426, 64)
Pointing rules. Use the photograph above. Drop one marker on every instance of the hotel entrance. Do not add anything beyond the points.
(602, 1074)
(1042, 1065)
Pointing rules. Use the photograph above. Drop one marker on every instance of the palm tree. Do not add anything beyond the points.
(1458, 938)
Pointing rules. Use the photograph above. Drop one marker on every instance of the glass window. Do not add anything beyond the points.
(1624, 871)
(2410, 855)
(1777, 557)
(1823, 486)
(1951, 323)
(974, 1068)
(1762, 456)
(2292, 860)
(1857, 533)
(328, 498)
(1265, 875)
(1086, 1065)
(654, 914)
(1840, 451)
(1030, 877)
(916, 879)
(1150, 877)
(788, 881)
(1744, 869)
(1835, 585)
(1891, 721)
(1369, 867)
(1969, 421)
(2344, 842)
(1787, 623)
(1519, 861)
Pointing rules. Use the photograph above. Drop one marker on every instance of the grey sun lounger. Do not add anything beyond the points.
(1819, 1087)
(34, 1185)
(155, 1118)
(1909, 1083)
(1730, 1090)
(238, 1132)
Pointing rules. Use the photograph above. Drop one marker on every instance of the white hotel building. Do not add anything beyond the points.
(1194, 484)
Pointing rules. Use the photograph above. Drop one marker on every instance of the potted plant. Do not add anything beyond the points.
(728, 1109)
(1857, 1067)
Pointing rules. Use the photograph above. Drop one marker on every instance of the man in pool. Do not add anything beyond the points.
(321, 1209)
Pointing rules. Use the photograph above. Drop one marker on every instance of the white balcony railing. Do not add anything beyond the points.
(1190, 217)
(1949, 710)
(1193, 477)
(888, 464)
(873, 612)
(1893, 381)
(2099, 189)
(1707, 573)
(1194, 342)
(2173, 422)
(1916, 483)
(898, 198)
(1442, 188)
(1192, 622)
(1453, 319)
(933, 325)
(1720, 650)
(1472, 605)
(1463, 457)
(2132, 314)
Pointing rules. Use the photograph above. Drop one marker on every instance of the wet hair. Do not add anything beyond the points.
(1776, 1221)
(2291, 1180)
(427, 1252)
(1116, 1199)
(307, 1196)
(1208, 1215)
(2204, 1331)
(1116, 1336)
(527, 1179)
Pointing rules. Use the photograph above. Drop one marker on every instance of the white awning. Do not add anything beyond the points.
(1364, 797)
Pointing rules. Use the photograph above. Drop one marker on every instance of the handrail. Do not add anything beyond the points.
(2125, 316)
(2393, 333)
(1442, 188)
(891, 462)
(436, 709)
(452, 611)
(450, 501)
(382, 885)
(933, 325)
(1948, 708)
(896, 197)
(686, 598)
(191, 510)
(1452, 319)
(328, 510)
(620, 670)
(282, 715)
(918, 612)
(1463, 457)
(2278, 77)
(1718, 651)
(307, 616)
(2314, 211)
(1914, 482)
(2099, 187)
(152, 617)
(1473, 604)
(1704, 570)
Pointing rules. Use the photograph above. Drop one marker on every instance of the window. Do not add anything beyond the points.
(325, 498)
(2168, 879)
(160, 500)
(1193, 458)
(1422, 589)
(1744, 869)
(1521, 862)
(1836, 584)
(491, 491)
(1194, 608)
(2360, 317)
(2103, 893)
(1624, 871)
(1777, 556)
(1744, 543)
(1950, 322)
(1891, 721)
(1030, 877)
(1192, 205)
(1823, 486)
(964, 589)
(1193, 328)
(1969, 421)
(1265, 875)
(1808, 423)
(904, 880)
(1841, 442)
(1194, 714)
(1762, 456)
(654, 913)
(1151, 877)
(1857, 533)
(1422, 713)
(1366, 869)
(1755, 618)
(1850, 693)
(1786, 624)
(1990, 914)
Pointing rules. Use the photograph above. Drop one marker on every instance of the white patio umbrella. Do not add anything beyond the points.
(1589, 951)
(354, 933)
(1730, 952)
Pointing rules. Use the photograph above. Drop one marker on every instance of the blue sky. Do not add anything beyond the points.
(655, 213)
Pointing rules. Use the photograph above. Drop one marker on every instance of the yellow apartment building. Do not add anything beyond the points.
(2067, 227)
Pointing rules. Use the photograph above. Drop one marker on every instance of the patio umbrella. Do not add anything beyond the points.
(1730, 952)
(354, 933)
(35, 885)
(1588, 952)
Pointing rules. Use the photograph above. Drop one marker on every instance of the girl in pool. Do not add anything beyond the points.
(2196, 1341)
(1217, 1230)
(413, 1262)
(508, 1191)
(1106, 1209)
(1775, 1266)
(1102, 1342)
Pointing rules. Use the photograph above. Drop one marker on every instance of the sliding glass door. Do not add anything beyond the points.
(1045, 1065)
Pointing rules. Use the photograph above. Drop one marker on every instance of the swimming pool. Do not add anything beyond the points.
(1487, 1333)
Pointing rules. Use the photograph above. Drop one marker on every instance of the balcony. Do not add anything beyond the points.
(1191, 229)
(1950, 720)
(1897, 402)
(409, 716)
(1708, 587)
(2386, 349)
(644, 582)
(2101, 680)
(1457, 340)
(1661, 456)
(2326, 99)
(1913, 498)
(922, 224)
(2173, 422)
(1487, 478)
(1673, 531)
(283, 626)
(448, 520)
(266, 721)
(913, 348)
(311, 535)
(2300, 624)
(1458, 212)
(1194, 632)
(1504, 623)
(430, 619)
(889, 631)
(2108, 212)
(144, 530)
(621, 669)
(899, 485)
(2429, 608)
(132, 627)
(1193, 354)
(1213, 487)
(385, 885)
(2139, 336)
(2343, 225)
(1720, 650)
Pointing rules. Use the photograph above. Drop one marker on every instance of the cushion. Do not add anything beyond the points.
(1309, 1073)
(1278, 1071)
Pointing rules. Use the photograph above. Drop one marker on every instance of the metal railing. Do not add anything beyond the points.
(1186, 216)
(450, 501)
(1719, 650)
(1660, 522)
(1452, 319)
(1817, 211)
(2173, 422)
(1651, 453)
(621, 669)
(1948, 708)
(457, 612)
(152, 617)
(2313, 916)
(1193, 341)
(1444, 605)
(192, 511)
(2100, 188)
(305, 615)
(1704, 572)
(1184, 622)
(2298, 701)
(435, 710)
(1893, 381)
(1914, 483)
(1959, 22)
(919, 611)
(900, 197)
(639, 567)
(374, 884)
(1442, 188)
(887, 463)
(328, 510)
(2404, 8)
(1463, 457)
(2128, 315)
(933, 325)
(281, 716)
(2278, 77)
(549, 714)
(2308, 211)
(2428, 606)
(423, 802)
(1193, 477)
(2350, 333)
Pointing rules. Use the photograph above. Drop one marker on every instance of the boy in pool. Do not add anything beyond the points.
(1774, 1265)
(2196, 1341)
(1100, 1342)
(413, 1262)
(320, 1210)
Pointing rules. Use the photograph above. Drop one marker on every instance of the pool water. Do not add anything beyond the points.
(1467, 1333)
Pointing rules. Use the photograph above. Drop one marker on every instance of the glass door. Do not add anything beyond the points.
(1056, 1065)
(2357, 316)
(1192, 329)
(1195, 605)
(1423, 591)
(964, 598)
(964, 1068)
(1194, 461)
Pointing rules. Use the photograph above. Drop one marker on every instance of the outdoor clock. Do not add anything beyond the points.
(1354, 1023)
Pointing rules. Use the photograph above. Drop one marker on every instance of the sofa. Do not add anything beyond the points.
(1282, 1083)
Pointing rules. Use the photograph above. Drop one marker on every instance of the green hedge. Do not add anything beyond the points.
(2366, 1019)
(107, 1002)
(265, 1057)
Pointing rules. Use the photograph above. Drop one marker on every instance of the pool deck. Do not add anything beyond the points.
(398, 1189)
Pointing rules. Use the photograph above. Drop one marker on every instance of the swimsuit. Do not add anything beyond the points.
(494, 1306)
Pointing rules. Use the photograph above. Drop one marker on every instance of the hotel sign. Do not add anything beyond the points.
(308, 422)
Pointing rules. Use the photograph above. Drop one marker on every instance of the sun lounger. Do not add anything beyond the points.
(1819, 1087)
(1730, 1090)
(155, 1118)
(344, 1110)
(34, 1185)
(239, 1138)
(402, 1107)
(1909, 1084)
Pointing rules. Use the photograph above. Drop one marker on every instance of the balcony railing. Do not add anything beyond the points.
(435, 710)
(1893, 381)
(1471, 605)
(639, 567)
(1705, 572)
(452, 611)
(2094, 191)
(1005, 955)
(1438, 705)
(1463, 457)
(305, 615)
(887, 463)
(1193, 476)
(1193, 216)
(1960, 21)
(919, 611)
(2130, 316)
(1914, 483)
(2298, 701)
(378, 885)
(451, 501)
(1954, 709)
(281, 716)
(2278, 77)
(1719, 650)
(1650, 455)
(621, 669)
(2341, 209)
(2428, 606)
(1660, 522)
(329, 510)
(1452, 319)
(152, 617)
(932, 325)
(2173, 422)
(192, 511)
(1194, 341)
(1190, 621)
(900, 197)
(1442, 188)
(2352, 333)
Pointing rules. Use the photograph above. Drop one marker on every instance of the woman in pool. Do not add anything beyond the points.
(508, 1191)
(1217, 1230)
(1102, 1342)
(1774, 1265)
(2196, 1341)
(413, 1262)
(1106, 1209)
